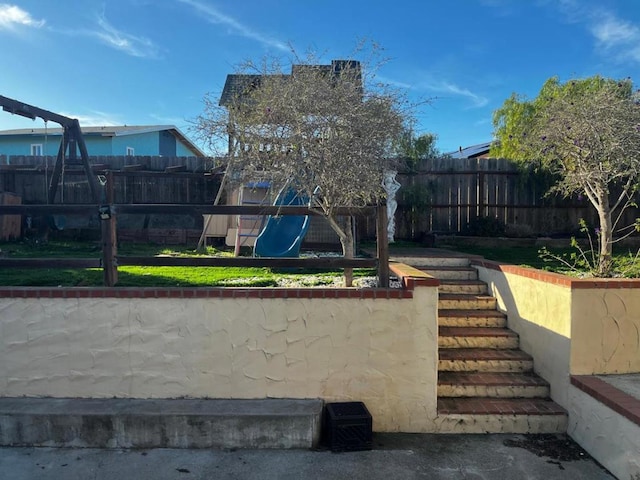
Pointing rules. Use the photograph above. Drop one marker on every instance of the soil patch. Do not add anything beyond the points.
(559, 448)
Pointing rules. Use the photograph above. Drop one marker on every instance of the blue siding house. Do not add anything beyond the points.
(151, 140)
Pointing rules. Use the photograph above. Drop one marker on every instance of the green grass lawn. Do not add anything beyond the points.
(140, 276)
(626, 264)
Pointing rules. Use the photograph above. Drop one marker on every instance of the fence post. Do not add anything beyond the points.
(482, 206)
(382, 238)
(109, 237)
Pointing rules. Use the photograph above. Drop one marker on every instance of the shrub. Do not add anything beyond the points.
(515, 230)
(485, 227)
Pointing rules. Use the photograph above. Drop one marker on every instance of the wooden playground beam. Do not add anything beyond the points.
(174, 209)
(273, 262)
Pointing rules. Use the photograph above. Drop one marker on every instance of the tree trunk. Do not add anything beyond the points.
(346, 241)
(605, 262)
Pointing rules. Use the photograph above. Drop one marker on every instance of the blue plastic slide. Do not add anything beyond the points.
(281, 236)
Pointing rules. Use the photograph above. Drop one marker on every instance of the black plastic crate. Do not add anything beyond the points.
(347, 426)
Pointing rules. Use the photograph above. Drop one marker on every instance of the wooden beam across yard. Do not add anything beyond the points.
(199, 261)
(50, 263)
(272, 262)
(174, 209)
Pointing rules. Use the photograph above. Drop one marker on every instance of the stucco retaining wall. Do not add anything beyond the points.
(606, 327)
(608, 436)
(379, 348)
(577, 327)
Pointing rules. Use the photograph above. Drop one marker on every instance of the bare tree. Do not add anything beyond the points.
(588, 133)
(325, 131)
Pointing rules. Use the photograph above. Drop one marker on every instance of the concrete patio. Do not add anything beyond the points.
(405, 456)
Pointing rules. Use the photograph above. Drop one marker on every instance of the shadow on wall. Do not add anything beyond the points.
(540, 314)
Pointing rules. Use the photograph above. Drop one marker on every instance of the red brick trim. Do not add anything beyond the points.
(556, 278)
(203, 292)
(410, 277)
(615, 399)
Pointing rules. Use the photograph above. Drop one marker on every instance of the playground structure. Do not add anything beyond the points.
(282, 236)
(72, 141)
(275, 231)
(104, 205)
(267, 235)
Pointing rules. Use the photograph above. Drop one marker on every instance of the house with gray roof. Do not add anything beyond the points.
(237, 85)
(148, 140)
(480, 150)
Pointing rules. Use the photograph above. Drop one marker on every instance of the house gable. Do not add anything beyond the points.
(162, 140)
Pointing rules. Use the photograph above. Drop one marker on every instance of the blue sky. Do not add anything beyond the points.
(140, 62)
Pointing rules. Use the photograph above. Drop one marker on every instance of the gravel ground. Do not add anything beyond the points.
(333, 282)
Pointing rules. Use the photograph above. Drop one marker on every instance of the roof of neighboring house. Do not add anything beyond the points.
(112, 131)
(473, 151)
(237, 84)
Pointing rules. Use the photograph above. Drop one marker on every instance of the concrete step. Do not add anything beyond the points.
(488, 405)
(488, 384)
(498, 415)
(475, 287)
(160, 423)
(466, 302)
(477, 337)
(451, 273)
(432, 260)
(483, 360)
(471, 318)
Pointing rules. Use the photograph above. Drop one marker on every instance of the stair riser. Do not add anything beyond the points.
(433, 262)
(452, 274)
(498, 366)
(485, 303)
(496, 343)
(500, 391)
(468, 289)
(472, 322)
(462, 423)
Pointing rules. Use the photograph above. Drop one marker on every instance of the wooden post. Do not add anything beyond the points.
(383, 246)
(481, 210)
(109, 237)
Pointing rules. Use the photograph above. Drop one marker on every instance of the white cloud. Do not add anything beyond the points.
(213, 15)
(394, 83)
(112, 37)
(452, 89)
(438, 86)
(12, 16)
(165, 120)
(94, 118)
(615, 34)
(129, 44)
(619, 39)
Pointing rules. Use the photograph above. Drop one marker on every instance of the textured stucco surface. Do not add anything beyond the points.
(606, 331)
(379, 351)
(575, 329)
(609, 437)
(540, 312)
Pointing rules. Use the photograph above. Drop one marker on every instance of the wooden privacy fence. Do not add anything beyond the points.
(446, 195)
(141, 179)
(443, 195)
